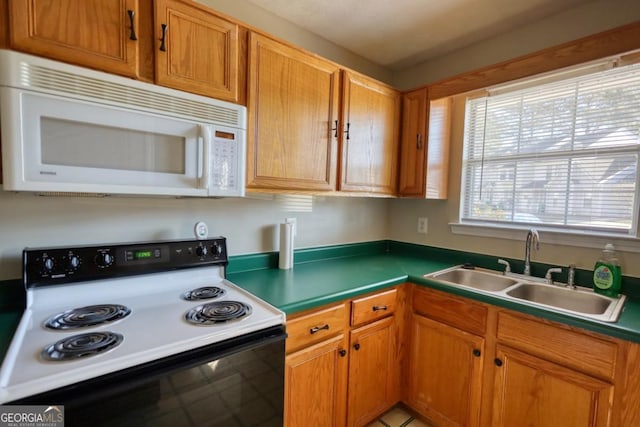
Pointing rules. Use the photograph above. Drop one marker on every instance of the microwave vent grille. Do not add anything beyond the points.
(50, 79)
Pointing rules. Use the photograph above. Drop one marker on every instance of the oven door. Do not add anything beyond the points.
(237, 382)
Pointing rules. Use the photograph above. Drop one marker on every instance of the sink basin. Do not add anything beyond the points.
(476, 279)
(534, 291)
(580, 302)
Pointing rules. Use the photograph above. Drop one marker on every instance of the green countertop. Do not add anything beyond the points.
(314, 283)
(324, 275)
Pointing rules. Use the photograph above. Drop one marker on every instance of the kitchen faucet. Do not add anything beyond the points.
(532, 238)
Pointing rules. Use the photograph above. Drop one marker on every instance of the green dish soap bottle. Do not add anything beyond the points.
(607, 273)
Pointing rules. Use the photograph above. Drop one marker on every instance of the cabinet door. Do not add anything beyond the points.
(196, 51)
(373, 371)
(445, 373)
(293, 108)
(370, 138)
(315, 385)
(537, 393)
(413, 145)
(424, 147)
(100, 34)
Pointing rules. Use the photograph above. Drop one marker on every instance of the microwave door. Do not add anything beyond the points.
(78, 146)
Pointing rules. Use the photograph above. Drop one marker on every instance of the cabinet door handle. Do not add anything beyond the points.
(356, 346)
(476, 352)
(342, 352)
(335, 130)
(419, 141)
(347, 131)
(163, 48)
(319, 328)
(379, 307)
(132, 35)
(497, 361)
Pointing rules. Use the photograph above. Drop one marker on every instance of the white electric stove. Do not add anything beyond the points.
(94, 311)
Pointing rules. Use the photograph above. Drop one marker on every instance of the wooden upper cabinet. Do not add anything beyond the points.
(370, 135)
(101, 34)
(424, 148)
(292, 107)
(4, 28)
(413, 145)
(196, 50)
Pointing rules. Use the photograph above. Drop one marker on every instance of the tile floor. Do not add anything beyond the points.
(398, 417)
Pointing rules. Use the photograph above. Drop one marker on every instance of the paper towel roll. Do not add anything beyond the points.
(285, 261)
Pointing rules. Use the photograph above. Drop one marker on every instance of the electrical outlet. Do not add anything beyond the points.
(423, 225)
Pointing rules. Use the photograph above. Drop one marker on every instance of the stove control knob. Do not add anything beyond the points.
(201, 251)
(48, 264)
(74, 262)
(104, 259)
(216, 249)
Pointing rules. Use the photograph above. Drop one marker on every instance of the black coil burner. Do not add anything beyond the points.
(217, 312)
(206, 292)
(82, 345)
(87, 316)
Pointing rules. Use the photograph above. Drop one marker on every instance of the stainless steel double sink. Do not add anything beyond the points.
(529, 290)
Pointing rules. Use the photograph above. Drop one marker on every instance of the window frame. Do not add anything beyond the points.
(591, 238)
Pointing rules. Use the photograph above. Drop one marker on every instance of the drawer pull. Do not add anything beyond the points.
(476, 352)
(379, 307)
(342, 352)
(356, 346)
(319, 328)
(498, 362)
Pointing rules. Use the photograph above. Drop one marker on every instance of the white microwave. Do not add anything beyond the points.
(70, 129)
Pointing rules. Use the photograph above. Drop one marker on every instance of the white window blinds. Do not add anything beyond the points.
(561, 154)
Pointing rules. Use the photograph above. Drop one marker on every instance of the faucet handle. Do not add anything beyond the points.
(507, 266)
(550, 272)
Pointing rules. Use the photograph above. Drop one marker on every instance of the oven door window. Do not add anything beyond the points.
(244, 387)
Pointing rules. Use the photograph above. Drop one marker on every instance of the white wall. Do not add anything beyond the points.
(581, 21)
(249, 224)
(266, 21)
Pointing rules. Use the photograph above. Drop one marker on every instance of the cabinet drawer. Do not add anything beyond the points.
(373, 307)
(315, 327)
(560, 344)
(458, 312)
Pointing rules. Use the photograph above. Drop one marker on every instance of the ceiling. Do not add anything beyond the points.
(397, 34)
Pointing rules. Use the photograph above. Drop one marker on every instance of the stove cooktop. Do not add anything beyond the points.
(147, 319)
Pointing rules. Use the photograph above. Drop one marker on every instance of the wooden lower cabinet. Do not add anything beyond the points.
(456, 362)
(532, 391)
(445, 373)
(506, 369)
(372, 371)
(343, 361)
(315, 385)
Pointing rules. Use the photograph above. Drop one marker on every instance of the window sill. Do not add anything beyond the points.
(550, 236)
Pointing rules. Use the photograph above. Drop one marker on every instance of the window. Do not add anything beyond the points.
(560, 154)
